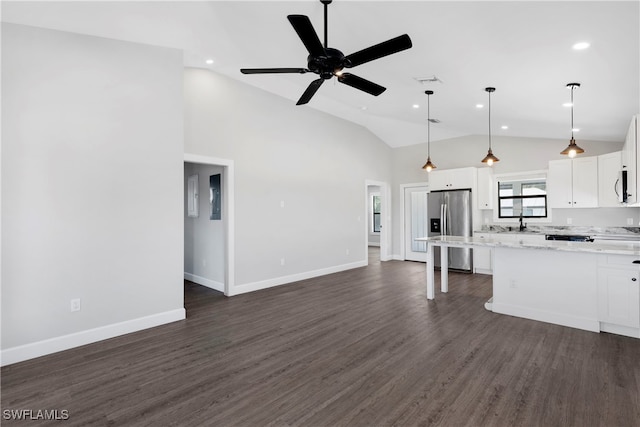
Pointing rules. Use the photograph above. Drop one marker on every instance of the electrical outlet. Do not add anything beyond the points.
(281, 261)
(569, 221)
(347, 251)
(75, 304)
(512, 284)
(629, 221)
(282, 203)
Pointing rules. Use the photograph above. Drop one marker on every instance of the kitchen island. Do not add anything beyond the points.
(585, 285)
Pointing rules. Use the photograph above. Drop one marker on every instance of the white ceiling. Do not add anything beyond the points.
(524, 49)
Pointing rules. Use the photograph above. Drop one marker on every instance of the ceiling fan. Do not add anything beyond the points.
(328, 62)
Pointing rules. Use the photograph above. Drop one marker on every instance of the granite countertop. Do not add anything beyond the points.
(630, 233)
(630, 248)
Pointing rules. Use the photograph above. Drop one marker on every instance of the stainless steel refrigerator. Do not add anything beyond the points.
(450, 214)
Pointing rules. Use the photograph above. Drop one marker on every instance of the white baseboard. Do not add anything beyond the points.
(397, 257)
(620, 330)
(204, 281)
(277, 281)
(65, 342)
(571, 321)
(376, 244)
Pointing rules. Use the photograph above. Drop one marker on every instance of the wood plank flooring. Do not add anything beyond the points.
(358, 348)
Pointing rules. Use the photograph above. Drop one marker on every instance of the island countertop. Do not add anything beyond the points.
(618, 248)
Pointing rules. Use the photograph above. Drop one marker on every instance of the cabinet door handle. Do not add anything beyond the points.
(636, 261)
(633, 279)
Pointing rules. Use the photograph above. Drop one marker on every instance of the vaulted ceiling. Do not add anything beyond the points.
(522, 48)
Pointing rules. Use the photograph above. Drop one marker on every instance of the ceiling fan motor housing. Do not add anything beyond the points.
(327, 65)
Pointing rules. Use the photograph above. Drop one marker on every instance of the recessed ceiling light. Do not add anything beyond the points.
(581, 45)
(416, 106)
(363, 108)
(504, 127)
(479, 105)
(209, 61)
(567, 104)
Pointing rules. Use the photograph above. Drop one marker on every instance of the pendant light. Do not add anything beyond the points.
(490, 159)
(429, 166)
(572, 149)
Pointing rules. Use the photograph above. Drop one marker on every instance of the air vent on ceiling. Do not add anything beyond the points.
(427, 80)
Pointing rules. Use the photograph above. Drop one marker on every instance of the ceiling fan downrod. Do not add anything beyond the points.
(326, 4)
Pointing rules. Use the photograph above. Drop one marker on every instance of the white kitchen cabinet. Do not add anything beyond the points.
(485, 188)
(609, 166)
(619, 293)
(573, 183)
(452, 179)
(630, 154)
(482, 256)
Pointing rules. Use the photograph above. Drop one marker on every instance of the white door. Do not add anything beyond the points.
(415, 223)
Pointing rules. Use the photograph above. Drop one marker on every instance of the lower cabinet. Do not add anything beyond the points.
(619, 293)
(482, 262)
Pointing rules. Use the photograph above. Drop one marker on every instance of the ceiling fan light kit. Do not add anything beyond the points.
(490, 159)
(429, 166)
(572, 149)
(328, 62)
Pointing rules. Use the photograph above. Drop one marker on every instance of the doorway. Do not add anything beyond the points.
(209, 240)
(415, 222)
(377, 220)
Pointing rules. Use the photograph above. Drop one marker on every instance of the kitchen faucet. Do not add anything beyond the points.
(522, 226)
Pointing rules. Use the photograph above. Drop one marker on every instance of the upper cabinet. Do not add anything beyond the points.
(609, 186)
(630, 155)
(452, 179)
(485, 188)
(573, 183)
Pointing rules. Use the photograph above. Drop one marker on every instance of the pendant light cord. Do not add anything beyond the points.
(572, 87)
(489, 120)
(428, 127)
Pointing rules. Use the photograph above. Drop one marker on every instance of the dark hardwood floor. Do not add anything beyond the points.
(358, 348)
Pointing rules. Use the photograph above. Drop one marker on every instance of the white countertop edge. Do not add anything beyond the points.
(557, 245)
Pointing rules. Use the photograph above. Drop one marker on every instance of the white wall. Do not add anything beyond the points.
(204, 257)
(299, 178)
(515, 154)
(92, 169)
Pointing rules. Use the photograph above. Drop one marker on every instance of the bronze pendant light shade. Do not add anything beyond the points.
(429, 166)
(573, 148)
(490, 158)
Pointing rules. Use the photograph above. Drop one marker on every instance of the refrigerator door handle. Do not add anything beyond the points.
(445, 226)
(442, 219)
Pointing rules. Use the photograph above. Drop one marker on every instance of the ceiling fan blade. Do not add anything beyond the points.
(307, 34)
(394, 45)
(311, 90)
(272, 70)
(360, 83)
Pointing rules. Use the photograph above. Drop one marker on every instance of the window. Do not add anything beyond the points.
(376, 214)
(526, 198)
